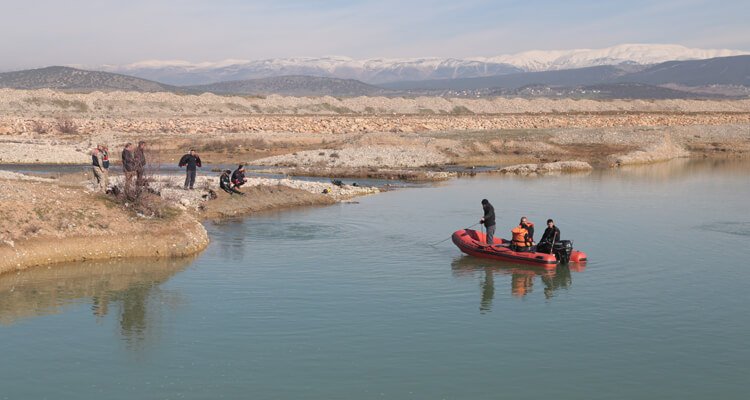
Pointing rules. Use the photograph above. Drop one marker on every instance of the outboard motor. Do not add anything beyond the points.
(562, 251)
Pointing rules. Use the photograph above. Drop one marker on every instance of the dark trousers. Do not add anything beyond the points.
(230, 189)
(544, 247)
(190, 178)
(490, 234)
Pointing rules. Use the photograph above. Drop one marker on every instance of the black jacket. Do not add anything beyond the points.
(224, 182)
(140, 159)
(238, 176)
(549, 234)
(489, 214)
(190, 161)
(128, 162)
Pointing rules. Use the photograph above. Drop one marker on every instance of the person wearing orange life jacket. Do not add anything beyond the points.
(523, 236)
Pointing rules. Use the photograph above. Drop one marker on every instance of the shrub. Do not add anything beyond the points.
(461, 110)
(39, 127)
(67, 126)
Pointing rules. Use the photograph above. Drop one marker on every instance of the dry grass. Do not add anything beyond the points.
(66, 126)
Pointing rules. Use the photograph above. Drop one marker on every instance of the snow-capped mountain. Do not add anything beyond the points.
(641, 54)
(382, 70)
(370, 71)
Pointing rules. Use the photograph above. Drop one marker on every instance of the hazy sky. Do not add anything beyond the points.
(51, 32)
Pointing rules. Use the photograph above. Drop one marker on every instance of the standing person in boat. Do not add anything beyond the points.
(549, 238)
(191, 161)
(523, 235)
(488, 220)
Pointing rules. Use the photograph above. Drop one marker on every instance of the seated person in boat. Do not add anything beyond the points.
(549, 238)
(488, 220)
(523, 236)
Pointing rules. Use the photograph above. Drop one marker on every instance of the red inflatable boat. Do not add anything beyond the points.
(473, 243)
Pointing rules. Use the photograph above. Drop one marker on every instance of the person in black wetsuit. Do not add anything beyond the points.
(488, 220)
(550, 236)
(225, 183)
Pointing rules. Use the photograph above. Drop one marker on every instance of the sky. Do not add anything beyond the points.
(91, 33)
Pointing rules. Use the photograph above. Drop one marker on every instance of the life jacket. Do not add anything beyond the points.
(519, 236)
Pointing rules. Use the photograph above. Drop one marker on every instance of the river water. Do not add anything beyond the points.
(352, 302)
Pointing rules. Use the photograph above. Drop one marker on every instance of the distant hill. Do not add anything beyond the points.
(295, 85)
(569, 77)
(606, 91)
(716, 71)
(73, 79)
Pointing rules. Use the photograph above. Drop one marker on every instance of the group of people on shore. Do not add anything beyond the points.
(523, 234)
(134, 163)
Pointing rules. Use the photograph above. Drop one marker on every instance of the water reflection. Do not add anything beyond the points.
(522, 278)
(679, 169)
(129, 291)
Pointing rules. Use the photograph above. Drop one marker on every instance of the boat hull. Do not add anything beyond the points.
(474, 244)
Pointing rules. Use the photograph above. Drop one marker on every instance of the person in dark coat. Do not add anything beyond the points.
(128, 165)
(549, 238)
(488, 220)
(238, 176)
(140, 163)
(226, 184)
(191, 161)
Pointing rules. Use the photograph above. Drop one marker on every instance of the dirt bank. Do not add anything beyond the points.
(261, 198)
(44, 223)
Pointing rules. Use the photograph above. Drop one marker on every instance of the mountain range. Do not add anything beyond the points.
(702, 78)
(381, 70)
(716, 71)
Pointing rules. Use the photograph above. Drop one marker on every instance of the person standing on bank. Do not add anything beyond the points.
(140, 163)
(191, 162)
(489, 221)
(128, 165)
(100, 166)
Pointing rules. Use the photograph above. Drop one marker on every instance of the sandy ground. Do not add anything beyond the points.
(114, 104)
(45, 126)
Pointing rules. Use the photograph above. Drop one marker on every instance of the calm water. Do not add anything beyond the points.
(351, 301)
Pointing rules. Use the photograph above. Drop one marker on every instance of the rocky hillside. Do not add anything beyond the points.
(77, 80)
